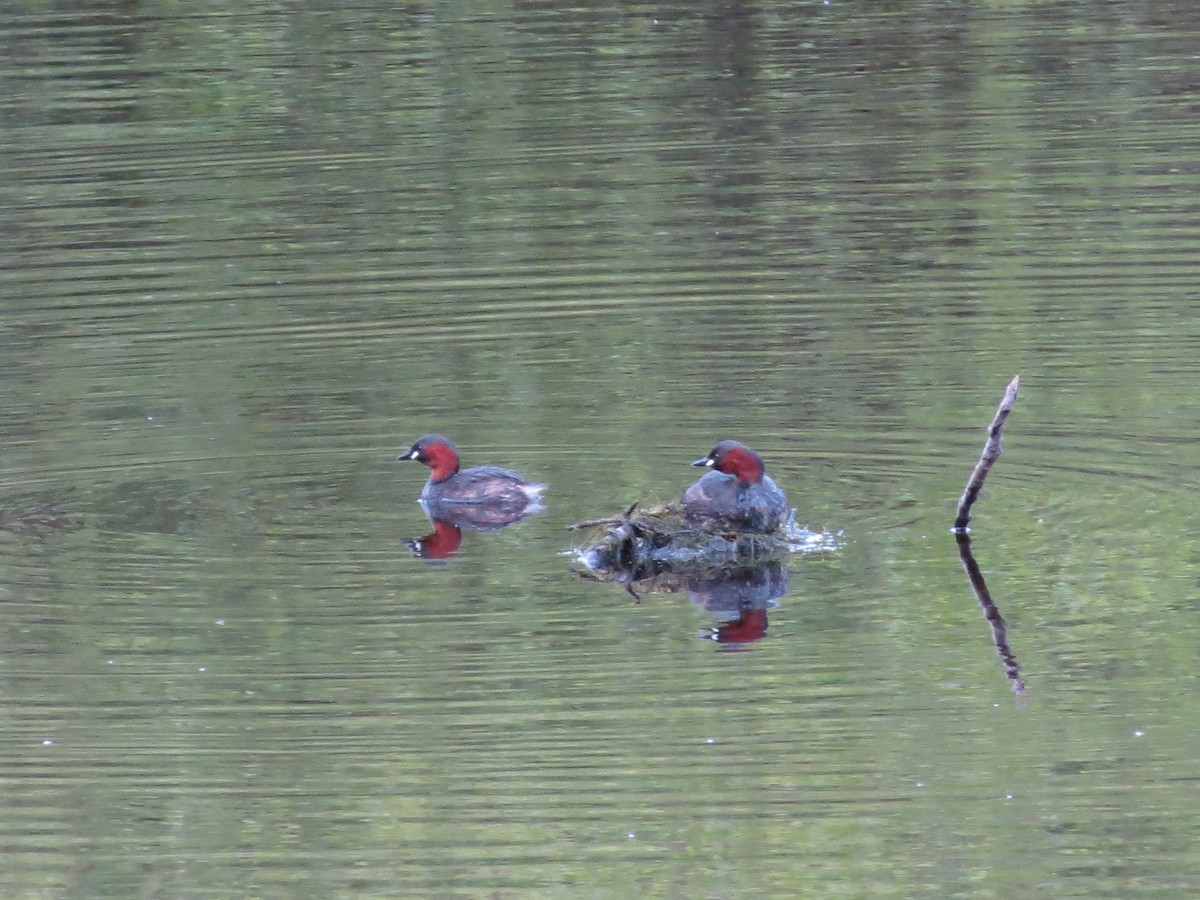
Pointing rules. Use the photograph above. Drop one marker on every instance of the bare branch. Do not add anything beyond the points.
(991, 452)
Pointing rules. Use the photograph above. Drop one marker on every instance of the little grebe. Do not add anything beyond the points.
(449, 487)
(738, 493)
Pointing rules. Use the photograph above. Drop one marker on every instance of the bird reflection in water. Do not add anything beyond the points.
(738, 599)
(737, 595)
(451, 520)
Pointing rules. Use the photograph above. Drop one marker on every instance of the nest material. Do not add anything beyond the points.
(659, 540)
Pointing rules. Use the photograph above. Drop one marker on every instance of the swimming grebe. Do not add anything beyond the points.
(501, 490)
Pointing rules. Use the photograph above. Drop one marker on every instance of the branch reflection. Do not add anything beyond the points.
(996, 621)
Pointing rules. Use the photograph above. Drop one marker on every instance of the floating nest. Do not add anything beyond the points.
(659, 544)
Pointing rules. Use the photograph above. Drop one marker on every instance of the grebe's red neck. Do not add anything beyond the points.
(734, 458)
(436, 452)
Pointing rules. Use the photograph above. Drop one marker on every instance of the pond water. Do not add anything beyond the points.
(251, 253)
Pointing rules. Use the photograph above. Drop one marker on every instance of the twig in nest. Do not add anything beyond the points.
(608, 520)
(991, 452)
